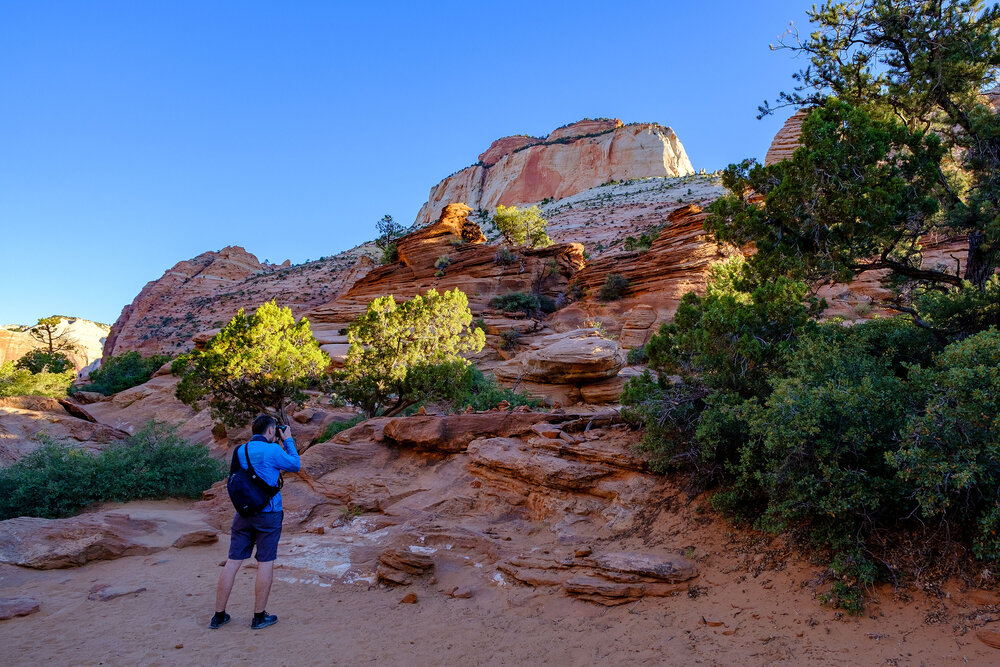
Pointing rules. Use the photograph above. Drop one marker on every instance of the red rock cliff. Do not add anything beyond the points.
(574, 158)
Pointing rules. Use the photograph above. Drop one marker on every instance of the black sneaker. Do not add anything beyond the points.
(220, 619)
(261, 623)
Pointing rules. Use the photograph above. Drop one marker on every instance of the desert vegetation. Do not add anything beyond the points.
(875, 443)
(58, 480)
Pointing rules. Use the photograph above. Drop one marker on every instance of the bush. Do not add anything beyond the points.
(20, 382)
(58, 480)
(41, 361)
(442, 262)
(642, 244)
(614, 288)
(504, 256)
(390, 254)
(124, 371)
(509, 338)
(483, 392)
(950, 451)
(333, 428)
(516, 301)
(637, 355)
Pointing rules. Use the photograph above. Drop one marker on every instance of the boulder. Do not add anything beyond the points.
(46, 544)
(24, 420)
(453, 433)
(577, 357)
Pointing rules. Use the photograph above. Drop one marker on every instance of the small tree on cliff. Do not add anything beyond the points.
(256, 364)
(48, 333)
(43, 361)
(401, 353)
(388, 231)
(525, 227)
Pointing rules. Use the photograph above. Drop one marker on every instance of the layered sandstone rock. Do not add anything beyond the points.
(576, 358)
(449, 254)
(787, 139)
(574, 158)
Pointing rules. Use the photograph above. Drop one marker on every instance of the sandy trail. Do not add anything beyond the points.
(773, 618)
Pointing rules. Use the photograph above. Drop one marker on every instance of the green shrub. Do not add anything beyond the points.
(333, 428)
(504, 256)
(442, 262)
(516, 301)
(637, 355)
(390, 254)
(43, 361)
(642, 244)
(483, 392)
(58, 480)
(509, 338)
(124, 371)
(547, 304)
(21, 382)
(614, 288)
(950, 452)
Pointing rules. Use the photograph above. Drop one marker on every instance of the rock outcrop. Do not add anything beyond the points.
(46, 544)
(573, 158)
(787, 139)
(449, 254)
(205, 292)
(25, 421)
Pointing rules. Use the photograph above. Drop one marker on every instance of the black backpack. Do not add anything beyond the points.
(248, 492)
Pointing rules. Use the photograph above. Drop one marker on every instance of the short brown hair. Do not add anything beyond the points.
(261, 424)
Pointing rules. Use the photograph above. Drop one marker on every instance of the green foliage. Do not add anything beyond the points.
(388, 231)
(522, 227)
(390, 254)
(333, 428)
(257, 364)
(840, 204)
(950, 452)
(124, 371)
(961, 311)
(637, 355)
(516, 301)
(408, 351)
(57, 480)
(642, 244)
(21, 382)
(504, 256)
(39, 361)
(442, 262)
(919, 66)
(509, 338)
(483, 392)
(614, 288)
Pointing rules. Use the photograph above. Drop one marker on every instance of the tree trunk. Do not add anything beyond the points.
(981, 261)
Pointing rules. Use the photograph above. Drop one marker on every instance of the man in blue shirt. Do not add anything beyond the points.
(268, 458)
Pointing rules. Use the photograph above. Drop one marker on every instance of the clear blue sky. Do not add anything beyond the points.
(134, 135)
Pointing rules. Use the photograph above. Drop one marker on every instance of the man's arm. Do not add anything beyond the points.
(289, 458)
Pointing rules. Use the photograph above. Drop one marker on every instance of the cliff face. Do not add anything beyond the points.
(520, 170)
(205, 292)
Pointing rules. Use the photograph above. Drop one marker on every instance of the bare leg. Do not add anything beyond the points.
(262, 587)
(226, 580)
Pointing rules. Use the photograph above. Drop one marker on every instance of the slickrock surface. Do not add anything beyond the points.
(87, 338)
(571, 159)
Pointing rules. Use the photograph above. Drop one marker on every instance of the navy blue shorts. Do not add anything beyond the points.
(262, 530)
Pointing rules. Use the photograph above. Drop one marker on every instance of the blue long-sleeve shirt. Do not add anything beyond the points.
(269, 458)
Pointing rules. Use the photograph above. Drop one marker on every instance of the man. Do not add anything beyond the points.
(268, 459)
